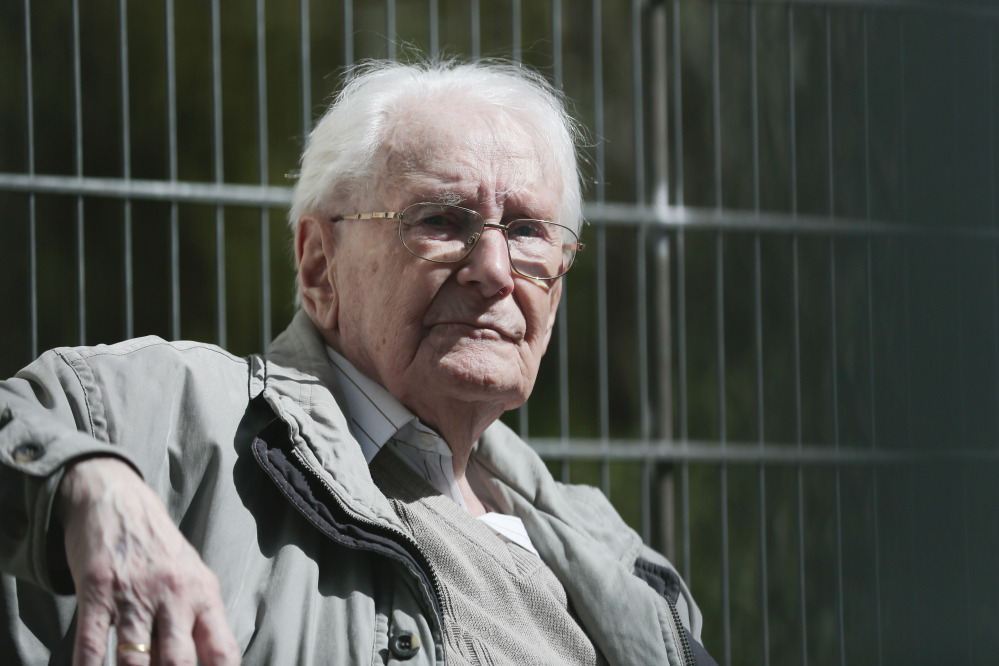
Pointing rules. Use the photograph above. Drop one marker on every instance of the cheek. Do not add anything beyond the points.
(386, 307)
(537, 304)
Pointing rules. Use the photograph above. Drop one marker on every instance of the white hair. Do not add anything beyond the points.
(339, 157)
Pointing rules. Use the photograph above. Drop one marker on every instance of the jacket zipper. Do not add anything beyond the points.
(679, 636)
(431, 574)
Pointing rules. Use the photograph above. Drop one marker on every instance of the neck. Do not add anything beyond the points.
(460, 424)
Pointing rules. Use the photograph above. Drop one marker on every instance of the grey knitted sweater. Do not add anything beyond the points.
(501, 603)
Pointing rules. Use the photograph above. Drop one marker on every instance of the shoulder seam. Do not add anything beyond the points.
(83, 387)
(200, 347)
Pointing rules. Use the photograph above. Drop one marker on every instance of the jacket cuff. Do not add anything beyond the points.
(31, 469)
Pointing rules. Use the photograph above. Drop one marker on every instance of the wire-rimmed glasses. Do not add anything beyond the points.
(445, 234)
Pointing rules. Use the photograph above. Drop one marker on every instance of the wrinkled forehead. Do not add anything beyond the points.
(475, 151)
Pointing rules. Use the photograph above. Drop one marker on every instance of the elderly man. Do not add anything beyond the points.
(349, 497)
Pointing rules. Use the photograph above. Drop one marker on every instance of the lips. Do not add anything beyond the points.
(482, 327)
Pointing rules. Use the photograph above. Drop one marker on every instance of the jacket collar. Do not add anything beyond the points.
(301, 387)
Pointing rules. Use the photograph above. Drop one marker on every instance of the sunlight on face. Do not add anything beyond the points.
(468, 331)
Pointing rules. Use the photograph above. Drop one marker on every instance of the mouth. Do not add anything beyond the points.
(479, 331)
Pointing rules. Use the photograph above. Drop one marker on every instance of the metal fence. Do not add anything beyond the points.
(781, 358)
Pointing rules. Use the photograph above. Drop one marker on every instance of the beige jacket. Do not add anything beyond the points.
(254, 461)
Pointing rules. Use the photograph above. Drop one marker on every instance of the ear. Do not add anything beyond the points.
(315, 246)
(555, 295)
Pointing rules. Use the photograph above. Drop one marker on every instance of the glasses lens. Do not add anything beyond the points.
(445, 234)
(438, 232)
(541, 249)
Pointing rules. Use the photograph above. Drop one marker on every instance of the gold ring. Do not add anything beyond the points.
(134, 647)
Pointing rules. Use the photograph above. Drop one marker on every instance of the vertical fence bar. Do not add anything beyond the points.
(29, 96)
(598, 98)
(639, 133)
(434, 29)
(348, 32)
(390, 27)
(126, 170)
(643, 334)
(678, 133)
(796, 319)
(663, 283)
(758, 325)
(638, 106)
(834, 362)
(962, 398)
(681, 293)
(638, 102)
(602, 333)
(305, 38)
(171, 84)
(557, 41)
(798, 425)
(81, 298)
(476, 28)
(870, 330)
(720, 324)
(522, 412)
(914, 599)
(563, 315)
(965, 529)
(602, 343)
(515, 20)
(903, 167)
(914, 641)
(220, 287)
(833, 333)
(563, 379)
(722, 437)
(265, 236)
(836, 442)
(992, 205)
(716, 106)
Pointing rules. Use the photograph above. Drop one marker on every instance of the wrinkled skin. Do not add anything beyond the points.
(458, 344)
(133, 569)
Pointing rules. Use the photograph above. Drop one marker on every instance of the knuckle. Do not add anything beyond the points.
(211, 585)
(98, 578)
(174, 579)
(91, 646)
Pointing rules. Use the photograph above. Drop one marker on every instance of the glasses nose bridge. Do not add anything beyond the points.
(486, 226)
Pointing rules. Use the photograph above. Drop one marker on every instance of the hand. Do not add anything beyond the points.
(134, 569)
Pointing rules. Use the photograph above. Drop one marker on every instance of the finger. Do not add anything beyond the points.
(213, 639)
(174, 640)
(134, 629)
(92, 625)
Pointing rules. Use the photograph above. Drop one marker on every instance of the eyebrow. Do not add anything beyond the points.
(449, 197)
(454, 197)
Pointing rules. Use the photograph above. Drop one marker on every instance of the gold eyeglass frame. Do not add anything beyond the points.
(474, 238)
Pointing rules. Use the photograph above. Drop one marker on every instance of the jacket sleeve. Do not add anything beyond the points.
(51, 414)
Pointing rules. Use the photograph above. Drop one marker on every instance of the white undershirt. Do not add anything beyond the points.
(378, 419)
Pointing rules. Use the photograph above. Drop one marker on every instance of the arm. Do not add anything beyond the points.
(133, 568)
(128, 563)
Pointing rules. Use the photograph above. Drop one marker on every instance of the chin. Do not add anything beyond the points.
(486, 377)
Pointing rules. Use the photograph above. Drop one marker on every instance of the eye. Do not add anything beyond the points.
(436, 221)
(528, 229)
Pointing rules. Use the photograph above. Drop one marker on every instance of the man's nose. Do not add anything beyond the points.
(487, 266)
